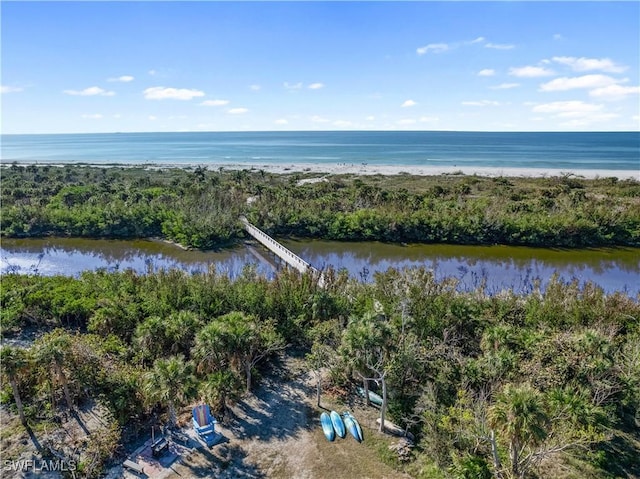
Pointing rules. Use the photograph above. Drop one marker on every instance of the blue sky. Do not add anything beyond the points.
(73, 67)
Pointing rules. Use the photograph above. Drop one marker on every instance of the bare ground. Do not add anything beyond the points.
(52, 440)
(276, 433)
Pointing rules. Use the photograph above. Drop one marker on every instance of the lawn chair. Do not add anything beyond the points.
(204, 424)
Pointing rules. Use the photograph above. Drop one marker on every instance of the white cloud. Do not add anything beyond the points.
(152, 118)
(481, 103)
(162, 93)
(91, 91)
(281, 121)
(117, 115)
(587, 120)
(558, 36)
(498, 46)
(614, 92)
(530, 72)
(238, 111)
(293, 86)
(575, 113)
(92, 116)
(152, 72)
(408, 103)
(342, 123)
(444, 47)
(505, 86)
(9, 89)
(319, 119)
(585, 81)
(255, 87)
(433, 47)
(370, 118)
(487, 72)
(583, 64)
(215, 102)
(123, 79)
(564, 107)
(316, 86)
(406, 121)
(428, 119)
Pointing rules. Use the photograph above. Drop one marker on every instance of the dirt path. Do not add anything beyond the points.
(276, 434)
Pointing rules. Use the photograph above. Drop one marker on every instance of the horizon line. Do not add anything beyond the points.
(318, 131)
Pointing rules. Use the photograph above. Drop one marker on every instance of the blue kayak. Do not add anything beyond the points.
(374, 399)
(338, 424)
(327, 426)
(353, 426)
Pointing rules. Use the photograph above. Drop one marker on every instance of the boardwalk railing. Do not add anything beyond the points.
(280, 251)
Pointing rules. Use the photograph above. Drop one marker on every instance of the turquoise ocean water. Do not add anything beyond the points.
(568, 151)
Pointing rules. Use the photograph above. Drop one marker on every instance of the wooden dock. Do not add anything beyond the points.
(286, 255)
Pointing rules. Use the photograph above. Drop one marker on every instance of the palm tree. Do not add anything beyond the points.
(237, 340)
(180, 330)
(199, 174)
(250, 341)
(52, 352)
(221, 386)
(519, 414)
(209, 350)
(14, 361)
(149, 336)
(171, 381)
(495, 337)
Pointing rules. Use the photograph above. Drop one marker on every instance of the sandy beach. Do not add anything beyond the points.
(367, 169)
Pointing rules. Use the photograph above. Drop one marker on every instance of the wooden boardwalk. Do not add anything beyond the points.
(281, 252)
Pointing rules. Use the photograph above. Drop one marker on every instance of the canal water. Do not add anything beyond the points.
(498, 267)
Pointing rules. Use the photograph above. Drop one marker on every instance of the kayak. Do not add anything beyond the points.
(327, 426)
(353, 426)
(338, 424)
(374, 398)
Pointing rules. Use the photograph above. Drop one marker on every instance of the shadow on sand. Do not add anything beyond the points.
(277, 410)
(230, 461)
(34, 439)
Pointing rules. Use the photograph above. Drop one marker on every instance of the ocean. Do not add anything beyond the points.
(567, 151)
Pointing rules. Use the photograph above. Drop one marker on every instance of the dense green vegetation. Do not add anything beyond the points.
(544, 385)
(199, 208)
(506, 386)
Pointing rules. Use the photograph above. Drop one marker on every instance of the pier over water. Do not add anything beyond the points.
(281, 252)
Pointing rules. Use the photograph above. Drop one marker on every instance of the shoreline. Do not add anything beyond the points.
(487, 171)
(366, 169)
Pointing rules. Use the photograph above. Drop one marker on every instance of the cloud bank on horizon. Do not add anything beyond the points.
(507, 66)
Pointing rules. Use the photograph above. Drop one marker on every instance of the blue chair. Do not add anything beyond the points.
(204, 424)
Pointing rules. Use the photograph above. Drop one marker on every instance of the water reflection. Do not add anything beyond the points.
(71, 256)
(496, 267)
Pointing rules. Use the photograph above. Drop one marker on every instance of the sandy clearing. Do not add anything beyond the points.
(276, 434)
